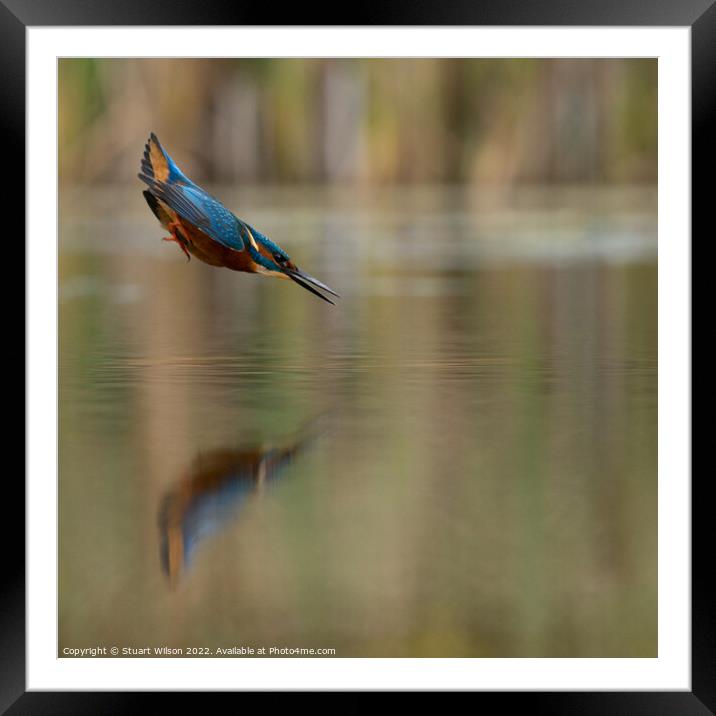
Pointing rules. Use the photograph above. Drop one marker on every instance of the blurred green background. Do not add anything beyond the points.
(483, 480)
(364, 120)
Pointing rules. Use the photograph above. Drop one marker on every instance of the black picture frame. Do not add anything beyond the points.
(699, 15)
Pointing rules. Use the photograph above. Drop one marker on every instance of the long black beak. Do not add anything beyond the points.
(308, 282)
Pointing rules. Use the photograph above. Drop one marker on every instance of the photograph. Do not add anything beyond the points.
(357, 357)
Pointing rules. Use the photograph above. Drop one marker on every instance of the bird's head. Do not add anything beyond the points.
(272, 260)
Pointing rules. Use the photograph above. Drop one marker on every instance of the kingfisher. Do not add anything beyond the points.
(203, 227)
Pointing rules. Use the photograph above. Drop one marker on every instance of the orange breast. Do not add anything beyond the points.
(212, 252)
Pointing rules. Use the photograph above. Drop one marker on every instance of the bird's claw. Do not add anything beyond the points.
(176, 239)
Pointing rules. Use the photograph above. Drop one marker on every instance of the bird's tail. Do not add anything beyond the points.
(158, 165)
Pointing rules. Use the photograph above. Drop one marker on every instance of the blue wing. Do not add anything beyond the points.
(167, 183)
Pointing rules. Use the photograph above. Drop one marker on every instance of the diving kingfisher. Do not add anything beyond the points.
(202, 226)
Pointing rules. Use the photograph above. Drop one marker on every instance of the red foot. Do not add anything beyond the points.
(174, 228)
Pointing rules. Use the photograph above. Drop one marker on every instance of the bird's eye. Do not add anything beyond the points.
(279, 258)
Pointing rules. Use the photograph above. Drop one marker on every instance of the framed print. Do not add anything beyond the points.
(449, 448)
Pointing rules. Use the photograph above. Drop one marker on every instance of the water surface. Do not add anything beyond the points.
(459, 459)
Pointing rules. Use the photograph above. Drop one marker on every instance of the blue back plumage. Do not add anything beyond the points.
(169, 184)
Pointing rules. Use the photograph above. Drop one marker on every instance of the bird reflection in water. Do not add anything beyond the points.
(214, 491)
